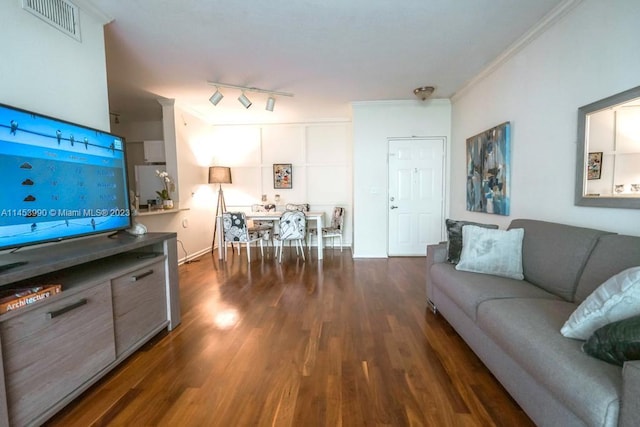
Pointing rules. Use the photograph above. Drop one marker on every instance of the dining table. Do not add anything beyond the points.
(317, 217)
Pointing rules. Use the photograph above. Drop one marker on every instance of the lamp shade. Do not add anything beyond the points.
(219, 175)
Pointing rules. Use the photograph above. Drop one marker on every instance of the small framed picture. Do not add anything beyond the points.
(594, 165)
(282, 175)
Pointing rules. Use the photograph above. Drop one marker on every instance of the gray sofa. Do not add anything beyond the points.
(514, 325)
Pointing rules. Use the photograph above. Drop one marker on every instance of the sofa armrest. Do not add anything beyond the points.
(435, 254)
(630, 405)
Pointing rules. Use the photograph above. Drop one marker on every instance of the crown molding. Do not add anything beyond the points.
(555, 15)
(401, 102)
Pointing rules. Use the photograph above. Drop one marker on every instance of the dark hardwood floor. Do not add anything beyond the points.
(341, 342)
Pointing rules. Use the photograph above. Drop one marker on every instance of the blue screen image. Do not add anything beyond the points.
(61, 180)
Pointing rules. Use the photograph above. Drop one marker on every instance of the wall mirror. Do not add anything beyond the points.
(608, 155)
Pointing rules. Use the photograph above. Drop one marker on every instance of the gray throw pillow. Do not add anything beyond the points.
(616, 342)
(454, 237)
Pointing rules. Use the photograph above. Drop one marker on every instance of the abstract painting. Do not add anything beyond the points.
(488, 170)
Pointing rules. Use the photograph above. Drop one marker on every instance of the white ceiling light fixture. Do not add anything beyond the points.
(423, 92)
(271, 101)
(244, 100)
(216, 97)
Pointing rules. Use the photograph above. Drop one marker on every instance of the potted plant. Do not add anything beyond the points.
(165, 194)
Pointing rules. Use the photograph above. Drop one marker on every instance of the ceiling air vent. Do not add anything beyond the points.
(61, 14)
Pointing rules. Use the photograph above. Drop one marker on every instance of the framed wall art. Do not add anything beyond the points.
(594, 165)
(488, 170)
(282, 175)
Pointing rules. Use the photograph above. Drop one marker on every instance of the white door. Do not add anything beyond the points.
(416, 195)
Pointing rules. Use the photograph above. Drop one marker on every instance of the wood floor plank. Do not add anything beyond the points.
(340, 342)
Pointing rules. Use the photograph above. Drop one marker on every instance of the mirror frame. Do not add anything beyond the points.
(583, 112)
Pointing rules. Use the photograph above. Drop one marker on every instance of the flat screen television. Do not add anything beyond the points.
(60, 180)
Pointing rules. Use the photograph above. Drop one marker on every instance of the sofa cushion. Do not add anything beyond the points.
(468, 290)
(612, 254)
(454, 237)
(496, 252)
(554, 255)
(616, 342)
(616, 299)
(528, 330)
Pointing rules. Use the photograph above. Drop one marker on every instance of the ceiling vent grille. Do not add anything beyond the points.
(61, 14)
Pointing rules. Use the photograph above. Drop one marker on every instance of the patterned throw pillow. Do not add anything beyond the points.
(497, 252)
(454, 237)
(616, 299)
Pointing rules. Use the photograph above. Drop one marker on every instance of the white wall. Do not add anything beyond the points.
(46, 71)
(187, 163)
(373, 124)
(321, 158)
(138, 131)
(320, 154)
(591, 53)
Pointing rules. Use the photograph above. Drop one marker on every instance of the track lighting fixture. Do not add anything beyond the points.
(271, 101)
(244, 100)
(216, 97)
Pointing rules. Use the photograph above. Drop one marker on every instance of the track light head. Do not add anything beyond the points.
(216, 97)
(246, 103)
(271, 102)
(244, 100)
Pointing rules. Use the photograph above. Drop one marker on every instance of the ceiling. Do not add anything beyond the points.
(328, 53)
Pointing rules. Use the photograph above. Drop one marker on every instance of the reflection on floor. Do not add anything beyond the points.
(338, 342)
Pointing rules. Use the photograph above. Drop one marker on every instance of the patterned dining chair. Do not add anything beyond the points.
(263, 228)
(302, 207)
(292, 227)
(333, 231)
(234, 226)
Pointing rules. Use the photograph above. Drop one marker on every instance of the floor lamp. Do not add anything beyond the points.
(219, 175)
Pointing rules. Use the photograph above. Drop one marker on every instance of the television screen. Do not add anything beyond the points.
(59, 180)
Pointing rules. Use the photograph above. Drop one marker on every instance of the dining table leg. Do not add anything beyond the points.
(319, 226)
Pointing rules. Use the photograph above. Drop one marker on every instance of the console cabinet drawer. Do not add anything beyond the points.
(139, 305)
(50, 351)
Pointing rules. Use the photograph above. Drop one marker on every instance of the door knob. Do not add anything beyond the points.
(393, 207)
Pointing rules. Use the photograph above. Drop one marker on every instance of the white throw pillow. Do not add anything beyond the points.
(616, 299)
(497, 252)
